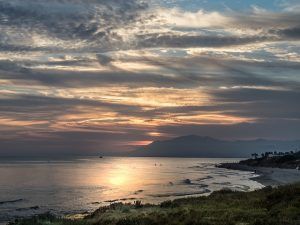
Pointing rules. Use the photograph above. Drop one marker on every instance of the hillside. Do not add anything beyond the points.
(199, 146)
(288, 161)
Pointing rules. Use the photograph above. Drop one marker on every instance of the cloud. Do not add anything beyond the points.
(90, 74)
(102, 26)
(293, 33)
(178, 72)
(95, 79)
(269, 129)
(189, 41)
(255, 18)
(56, 106)
(260, 103)
(180, 18)
(104, 59)
(60, 24)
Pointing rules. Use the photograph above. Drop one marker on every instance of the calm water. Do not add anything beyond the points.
(80, 185)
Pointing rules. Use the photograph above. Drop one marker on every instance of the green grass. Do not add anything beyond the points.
(268, 206)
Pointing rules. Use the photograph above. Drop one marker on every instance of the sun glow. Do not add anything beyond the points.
(119, 179)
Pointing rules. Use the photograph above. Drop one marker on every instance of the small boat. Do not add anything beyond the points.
(101, 157)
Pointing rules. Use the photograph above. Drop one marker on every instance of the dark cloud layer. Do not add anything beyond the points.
(187, 72)
(69, 20)
(94, 26)
(269, 129)
(293, 33)
(187, 41)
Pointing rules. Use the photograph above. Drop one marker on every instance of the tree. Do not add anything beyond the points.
(254, 155)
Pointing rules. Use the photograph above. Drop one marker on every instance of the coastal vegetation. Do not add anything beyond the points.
(267, 206)
(288, 160)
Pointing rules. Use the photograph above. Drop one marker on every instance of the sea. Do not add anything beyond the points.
(68, 186)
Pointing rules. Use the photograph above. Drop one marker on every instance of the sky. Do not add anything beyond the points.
(105, 76)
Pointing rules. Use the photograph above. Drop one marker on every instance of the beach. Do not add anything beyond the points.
(266, 175)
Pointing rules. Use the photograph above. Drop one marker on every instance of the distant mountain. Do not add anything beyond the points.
(198, 146)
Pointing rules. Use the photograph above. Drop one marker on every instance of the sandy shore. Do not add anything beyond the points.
(266, 175)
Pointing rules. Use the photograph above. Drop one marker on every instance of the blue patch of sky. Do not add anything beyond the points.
(170, 52)
(206, 31)
(260, 54)
(222, 5)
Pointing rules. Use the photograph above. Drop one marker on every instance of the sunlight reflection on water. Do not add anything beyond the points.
(77, 185)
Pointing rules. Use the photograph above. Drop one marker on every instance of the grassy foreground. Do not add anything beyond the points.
(268, 206)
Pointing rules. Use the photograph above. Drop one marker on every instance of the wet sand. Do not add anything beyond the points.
(266, 175)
